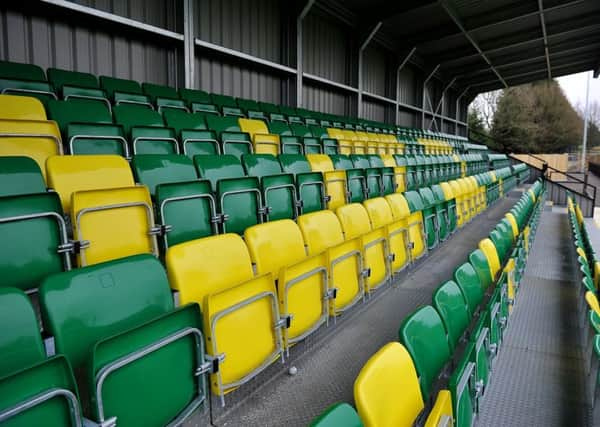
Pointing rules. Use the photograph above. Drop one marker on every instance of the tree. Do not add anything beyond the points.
(593, 122)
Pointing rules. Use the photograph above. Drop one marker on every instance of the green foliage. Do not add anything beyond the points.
(475, 121)
(536, 118)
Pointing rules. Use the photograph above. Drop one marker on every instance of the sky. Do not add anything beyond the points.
(574, 87)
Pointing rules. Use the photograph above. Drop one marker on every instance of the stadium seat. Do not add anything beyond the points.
(373, 175)
(34, 389)
(424, 336)
(263, 142)
(433, 227)
(277, 248)
(387, 392)
(413, 221)
(240, 312)
(491, 254)
(335, 181)
(164, 97)
(145, 130)
(198, 101)
(322, 233)
(74, 84)
(467, 280)
(192, 132)
(123, 91)
(272, 112)
(355, 177)
(226, 105)
(39, 246)
(278, 189)
(251, 109)
(338, 415)
(87, 127)
(310, 188)
(399, 169)
(20, 175)
(289, 143)
(450, 303)
(233, 140)
(154, 169)
(26, 80)
(21, 108)
(239, 200)
(116, 322)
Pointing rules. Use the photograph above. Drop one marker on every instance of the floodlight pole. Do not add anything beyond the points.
(585, 123)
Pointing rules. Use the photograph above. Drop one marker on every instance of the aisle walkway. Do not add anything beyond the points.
(538, 377)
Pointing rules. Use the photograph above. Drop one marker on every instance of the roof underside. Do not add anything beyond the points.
(488, 44)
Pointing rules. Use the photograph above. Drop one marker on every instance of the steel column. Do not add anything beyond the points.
(188, 42)
(400, 67)
(299, 59)
(423, 100)
(363, 46)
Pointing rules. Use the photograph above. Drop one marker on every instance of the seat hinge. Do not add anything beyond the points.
(391, 257)
(160, 230)
(502, 321)
(366, 273)
(411, 245)
(493, 348)
(331, 293)
(219, 218)
(299, 203)
(478, 389)
(327, 198)
(284, 322)
(210, 365)
(265, 210)
(73, 246)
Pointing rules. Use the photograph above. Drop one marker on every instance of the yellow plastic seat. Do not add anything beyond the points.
(359, 147)
(592, 302)
(240, 312)
(277, 247)
(335, 180)
(399, 171)
(355, 223)
(387, 391)
(513, 224)
(21, 108)
(411, 221)
(322, 233)
(262, 141)
(69, 174)
(380, 215)
(462, 209)
(345, 144)
(113, 224)
(30, 138)
(489, 250)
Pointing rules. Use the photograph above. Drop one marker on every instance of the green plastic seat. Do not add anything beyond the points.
(198, 101)
(415, 204)
(19, 176)
(26, 373)
(355, 177)
(388, 177)
(311, 143)
(34, 226)
(291, 114)
(103, 314)
(272, 112)
(233, 140)
(192, 132)
(239, 200)
(87, 128)
(146, 130)
(450, 303)
(479, 262)
(433, 228)
(502, 244)
(124, 91)
(164, 97)
(74, 84)
(290, 143)
(338, 415)
(154, 169)
(462, 385)
(251, 109)
(424, 336)
(310, 187)
(446, 212)
(26, 80)
(374, 181)
(467, 280)
(226, 105)
(278, 189)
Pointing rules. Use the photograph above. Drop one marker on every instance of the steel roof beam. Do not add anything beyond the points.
(454, 16)
(543, 25)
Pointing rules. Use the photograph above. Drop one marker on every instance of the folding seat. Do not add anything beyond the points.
(412, 177)
(34, 389)
(467, 280)
(87, 128)
(338, 415)
(396, 232)
(239, 200)
(356, 224)
(251, 109)
(491, 254)
(20, 175)
(291, 114)
(74, 84)
(25, 79)
(335, 180)
(233, 140)
(198, 101)
(307, 116)
(346, 146)
(227, 105)
(376, 184)
(242, 325)
(397, 179)
(39, 245)
(387, 392)
(19, 136)
(449, 302)
(356, 179)
(110, 216)
(278, 189)
(193, 134)
(145, 129)
(290, 143)
(322, 233)
(425, 201)
(163, 97)
(327, 144)
(413, 221)
(462, 207)
(310, 144)
(445, 208)
(272, 112)
(123, 91)
(424, 336)
(427, 170)
(310, 187)
(117, 322)
(277, 248)
(262, 141)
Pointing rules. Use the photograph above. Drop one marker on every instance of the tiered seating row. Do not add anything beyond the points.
(438, 372)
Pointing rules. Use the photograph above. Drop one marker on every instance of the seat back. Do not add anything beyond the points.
(338, 415)
(70, 174)
(424, 336)
(261, 165)
(154, 169)
(20, 175)
(111, 85)
(17, 70)
(480, 263)
(386, 390)
(130, 116)
(354, 220)
(13, 107)
(468, 281)
(450, 303)
(489, 250)
(60, 78)
(294, 163)
(215, 168)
